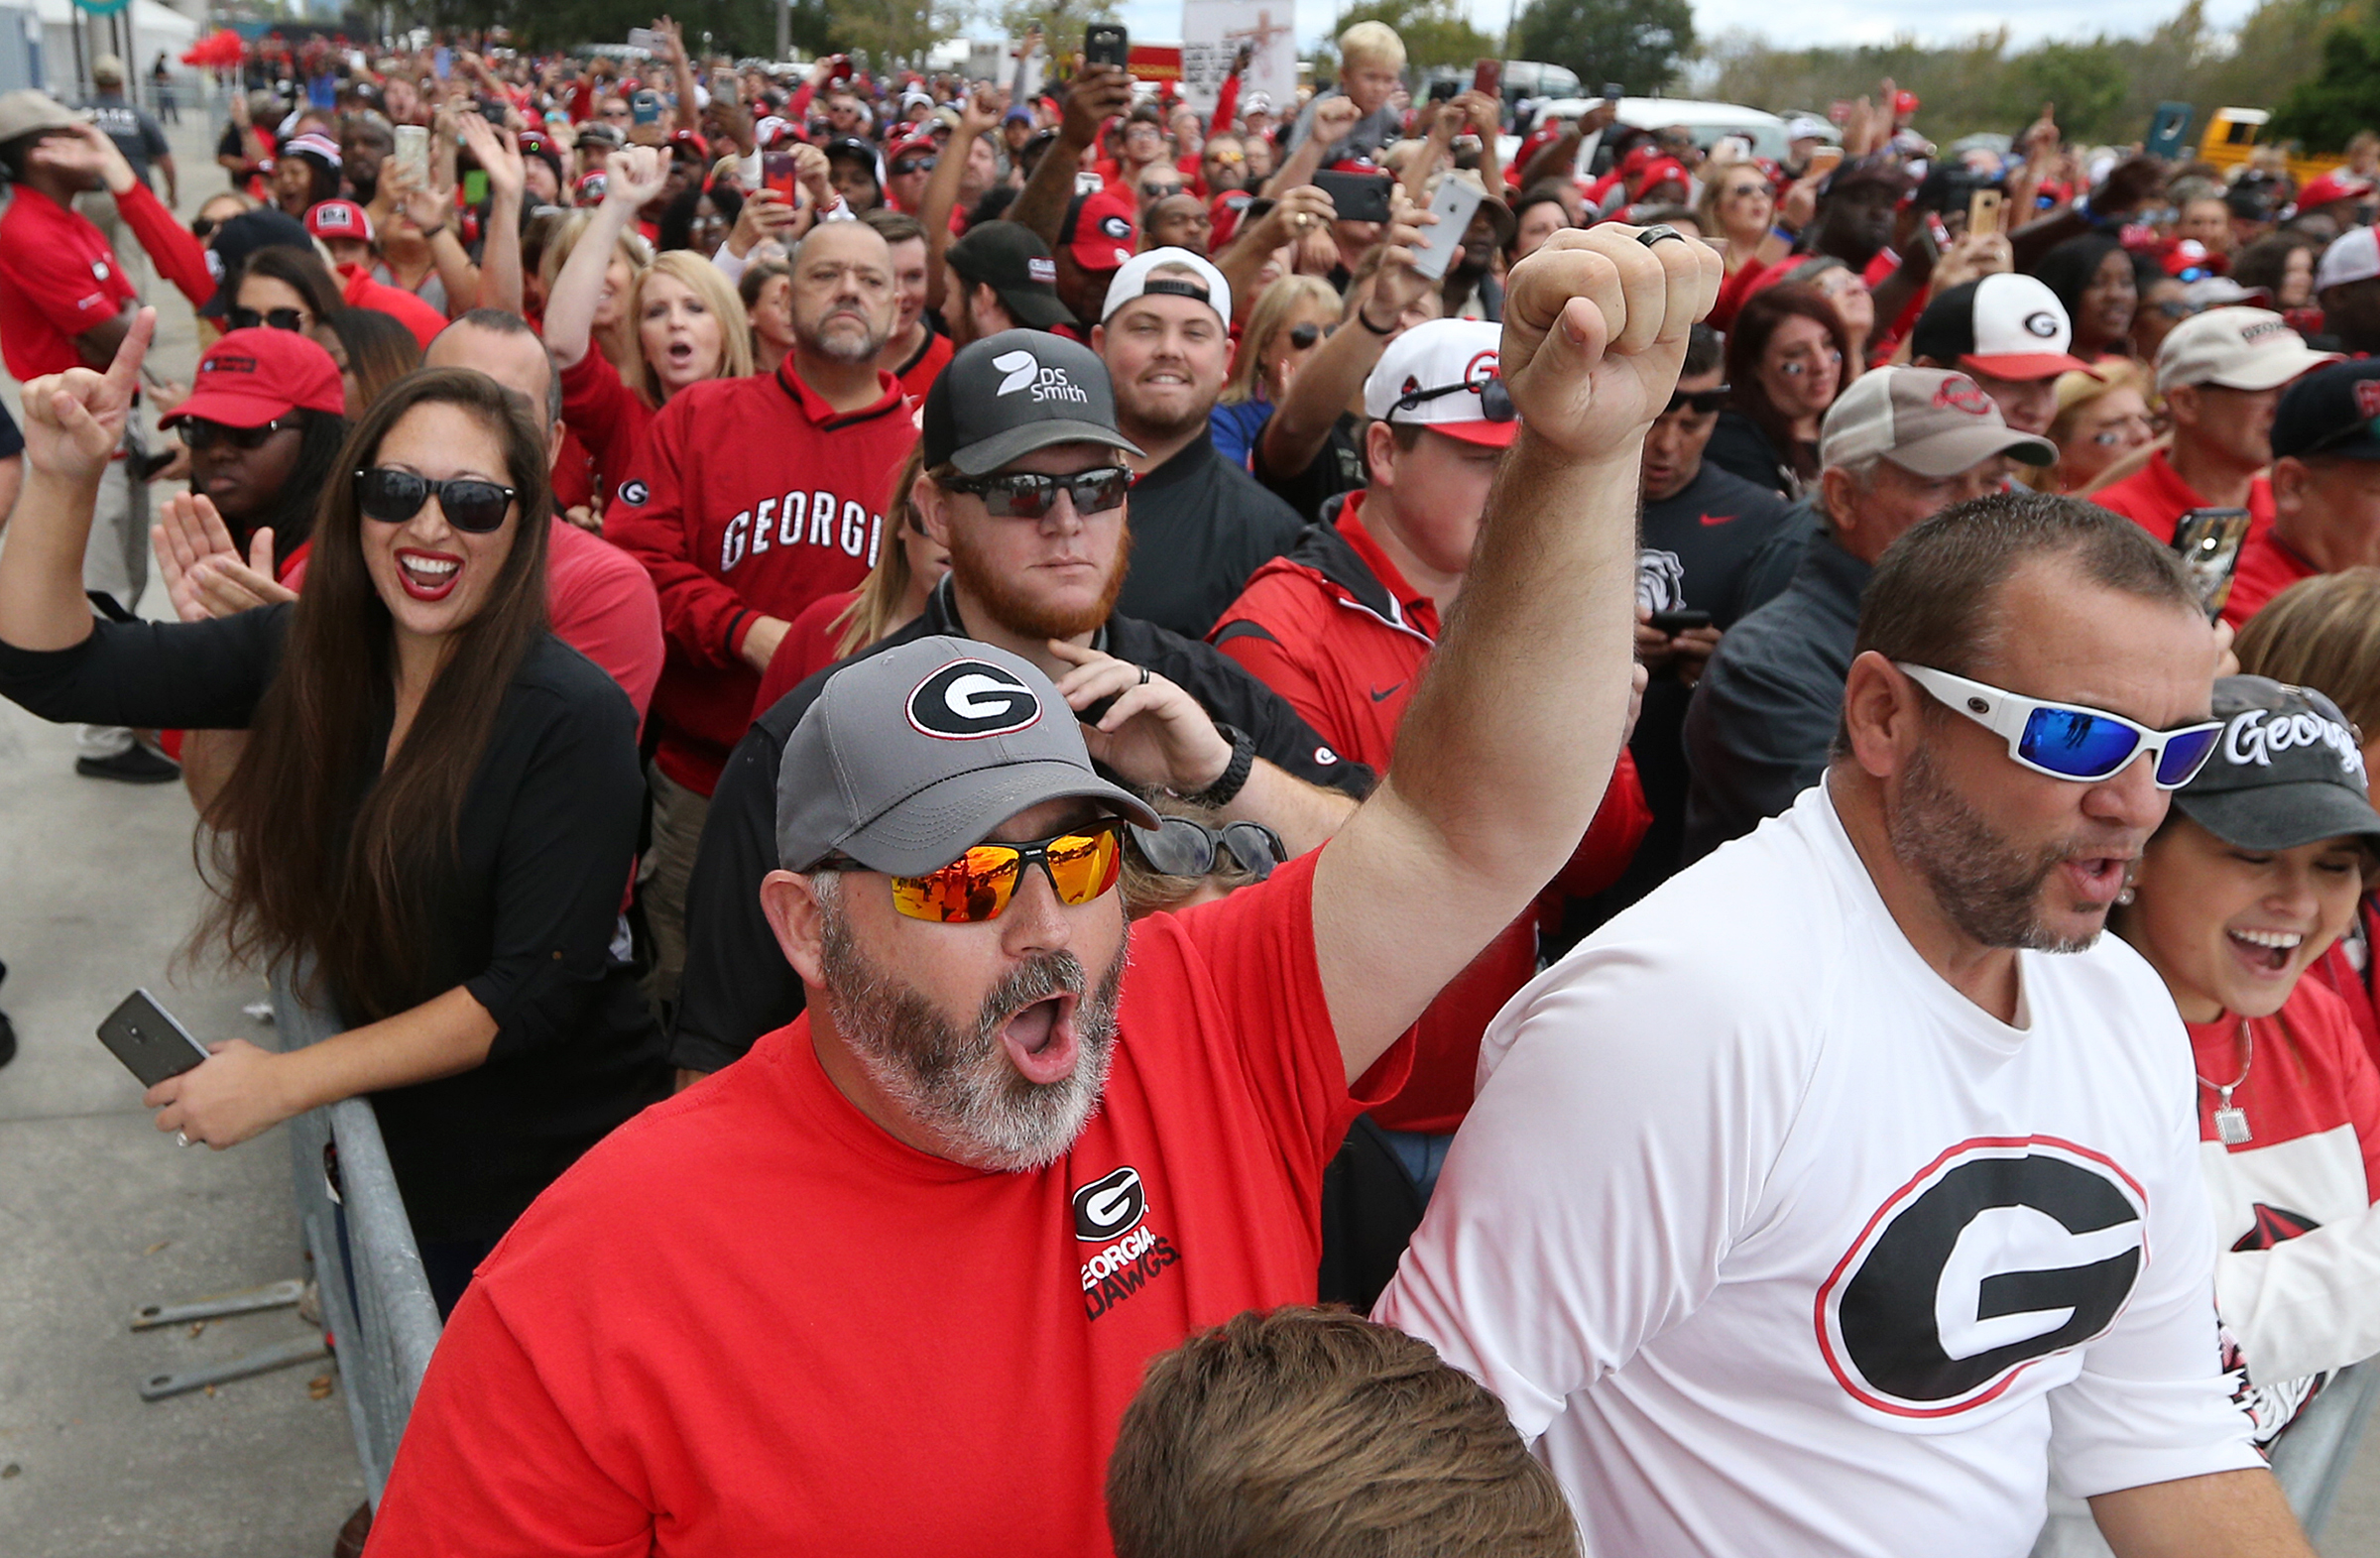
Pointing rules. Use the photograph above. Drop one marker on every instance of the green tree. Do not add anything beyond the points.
(2088, 82)
(1435, 33)
(1639, 44)
(1061, 22)
(2342, 96)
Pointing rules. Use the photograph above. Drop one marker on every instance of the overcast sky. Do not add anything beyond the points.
(1812, 21)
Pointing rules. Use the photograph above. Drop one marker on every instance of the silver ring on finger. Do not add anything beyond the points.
(1658, 231)
(182, 1138)
(1144, 676)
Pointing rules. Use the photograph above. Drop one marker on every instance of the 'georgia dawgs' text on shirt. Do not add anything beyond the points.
(1780, 1244)
(747, 497)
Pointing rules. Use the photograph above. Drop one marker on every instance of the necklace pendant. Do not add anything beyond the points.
(2231, 1126)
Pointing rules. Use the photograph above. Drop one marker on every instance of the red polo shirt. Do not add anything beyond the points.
(2155, 497)
(57, 278)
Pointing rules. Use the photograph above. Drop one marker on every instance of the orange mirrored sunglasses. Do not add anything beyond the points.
(978, 886)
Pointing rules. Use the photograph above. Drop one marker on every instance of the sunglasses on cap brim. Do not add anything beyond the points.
(1082, 866)
(2071, 741)
(1185, 847)
(1496, 402)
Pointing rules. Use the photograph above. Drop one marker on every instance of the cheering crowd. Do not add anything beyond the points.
(948, 747)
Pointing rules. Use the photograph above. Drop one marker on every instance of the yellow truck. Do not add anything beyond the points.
(2231, 135)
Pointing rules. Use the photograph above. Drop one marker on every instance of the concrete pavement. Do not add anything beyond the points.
(99, 1214)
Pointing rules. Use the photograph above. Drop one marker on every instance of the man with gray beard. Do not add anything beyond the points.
(1842, 1195)
(885, 1284)
(748, 499)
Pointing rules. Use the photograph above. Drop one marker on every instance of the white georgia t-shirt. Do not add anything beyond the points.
(1774, 1244)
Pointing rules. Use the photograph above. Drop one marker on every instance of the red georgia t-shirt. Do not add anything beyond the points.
(750, 1321)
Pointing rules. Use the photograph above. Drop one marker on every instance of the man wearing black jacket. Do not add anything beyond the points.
(1009, 408)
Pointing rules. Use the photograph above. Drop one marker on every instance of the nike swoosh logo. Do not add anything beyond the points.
(1383, 694)
(1718, 519)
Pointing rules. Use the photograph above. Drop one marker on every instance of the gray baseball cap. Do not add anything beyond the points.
(911, 757)
(1932, 421)
(2289, 769)
(1007, 395)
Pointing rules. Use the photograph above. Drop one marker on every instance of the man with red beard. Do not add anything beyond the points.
(1046, 591)
(887, 1286)
(748, 499)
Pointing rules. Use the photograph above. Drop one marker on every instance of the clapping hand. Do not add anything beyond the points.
(204, 574)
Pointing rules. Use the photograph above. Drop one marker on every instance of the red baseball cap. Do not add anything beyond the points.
(1099, 230)
(328, 220)
(1658, 172)
(250, 377)
(911, 146)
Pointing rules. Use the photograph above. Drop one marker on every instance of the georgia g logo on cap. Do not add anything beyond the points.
(2039, 323)
(969, 699)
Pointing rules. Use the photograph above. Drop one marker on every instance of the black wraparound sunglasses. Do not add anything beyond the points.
(1704, 401)
(1496, 402)
(278, 319)
(394, 497)
(1028, 495)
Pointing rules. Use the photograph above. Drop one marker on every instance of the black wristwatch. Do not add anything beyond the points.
(1234, 778)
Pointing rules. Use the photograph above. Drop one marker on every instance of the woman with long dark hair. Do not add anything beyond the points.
(1788, 355)
(432, 821)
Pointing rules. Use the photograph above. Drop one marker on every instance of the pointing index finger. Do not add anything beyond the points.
(124, 374)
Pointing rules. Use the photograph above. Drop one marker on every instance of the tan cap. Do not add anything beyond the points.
(1931, 421)
(107, 68)
(27, 112)
(2235, 349)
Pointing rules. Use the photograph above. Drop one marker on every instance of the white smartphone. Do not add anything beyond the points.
(412, 153)
(1454, 205)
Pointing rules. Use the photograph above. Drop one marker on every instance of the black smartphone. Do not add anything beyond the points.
(2169, 131)
(2208, 541)
(145, 1036)
(1680, 621)
(1356, 197)
(154, 463)
(1443, 91)
(1104, 43)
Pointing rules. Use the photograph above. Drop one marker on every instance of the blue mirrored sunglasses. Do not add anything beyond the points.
(2069, 740)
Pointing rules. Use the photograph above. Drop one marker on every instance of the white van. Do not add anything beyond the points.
(1708, 122)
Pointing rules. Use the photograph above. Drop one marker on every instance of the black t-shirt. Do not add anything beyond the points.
(1199, 526)
(1740, 448)
(525, 919)
(737, 984)
(1700, 550)
(1335, 468)
(12, 441)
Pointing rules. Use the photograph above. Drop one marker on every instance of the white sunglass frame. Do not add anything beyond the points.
(2005, 714)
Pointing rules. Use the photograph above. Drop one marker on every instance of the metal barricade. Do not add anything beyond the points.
(2313, 1458)
(376, 1303)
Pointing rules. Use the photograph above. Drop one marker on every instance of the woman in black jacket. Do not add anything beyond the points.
(434, 812)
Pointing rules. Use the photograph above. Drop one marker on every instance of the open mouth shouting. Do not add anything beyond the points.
(1040, 1039)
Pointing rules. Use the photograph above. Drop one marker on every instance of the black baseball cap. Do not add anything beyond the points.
(1012, 260)
(2331, 411)
(851, 149)
(230, 245)
(1007, 395)
(2288, 771)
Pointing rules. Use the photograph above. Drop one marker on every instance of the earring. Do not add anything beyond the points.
(2125, 897)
